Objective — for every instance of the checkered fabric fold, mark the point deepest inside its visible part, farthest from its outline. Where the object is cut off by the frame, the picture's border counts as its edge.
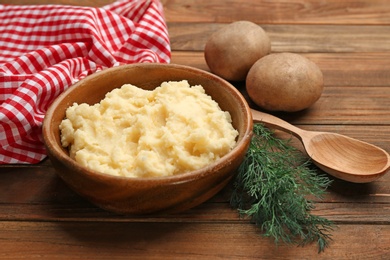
(44, 49)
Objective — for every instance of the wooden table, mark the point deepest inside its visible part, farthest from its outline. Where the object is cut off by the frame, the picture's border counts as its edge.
(40, 217)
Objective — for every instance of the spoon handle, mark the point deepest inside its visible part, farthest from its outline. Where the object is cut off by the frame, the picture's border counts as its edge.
(275, 122)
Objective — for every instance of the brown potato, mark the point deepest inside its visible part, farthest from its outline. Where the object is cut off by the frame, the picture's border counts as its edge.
(284, 82)
(231, 51)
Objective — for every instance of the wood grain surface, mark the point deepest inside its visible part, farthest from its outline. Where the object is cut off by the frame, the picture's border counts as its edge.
(40, 217)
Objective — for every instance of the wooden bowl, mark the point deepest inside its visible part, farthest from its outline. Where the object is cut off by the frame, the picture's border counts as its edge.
(127, 195)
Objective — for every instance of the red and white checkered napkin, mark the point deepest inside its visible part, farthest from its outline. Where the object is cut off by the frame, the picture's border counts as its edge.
(45, 49)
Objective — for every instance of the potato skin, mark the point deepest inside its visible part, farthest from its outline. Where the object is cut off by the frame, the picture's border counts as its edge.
(284, 82)
(231, 51)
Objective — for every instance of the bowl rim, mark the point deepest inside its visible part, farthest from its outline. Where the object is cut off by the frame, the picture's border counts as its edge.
(58, 152)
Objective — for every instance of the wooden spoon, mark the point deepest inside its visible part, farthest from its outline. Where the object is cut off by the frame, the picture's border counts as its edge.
(340, 156)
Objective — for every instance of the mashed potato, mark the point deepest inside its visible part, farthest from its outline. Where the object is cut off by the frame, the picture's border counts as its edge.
(138, 133)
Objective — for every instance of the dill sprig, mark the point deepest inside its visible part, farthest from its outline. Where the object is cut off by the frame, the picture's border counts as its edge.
(275, 186)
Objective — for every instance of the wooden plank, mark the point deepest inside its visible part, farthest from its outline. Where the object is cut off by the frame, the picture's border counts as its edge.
(73, 240)
(40, 184)
(345, 106)
(39, 195)
(373, 12)
(350, 69)
(329, 38)
(279, 11)
(348, 106)
(292, 38)
(339, 69)
(193, 59)
(341, 213)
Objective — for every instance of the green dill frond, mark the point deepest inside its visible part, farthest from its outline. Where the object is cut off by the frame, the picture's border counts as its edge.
(273, 187)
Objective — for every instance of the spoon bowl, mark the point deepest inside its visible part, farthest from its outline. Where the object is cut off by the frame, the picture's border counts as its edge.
(340, 156)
